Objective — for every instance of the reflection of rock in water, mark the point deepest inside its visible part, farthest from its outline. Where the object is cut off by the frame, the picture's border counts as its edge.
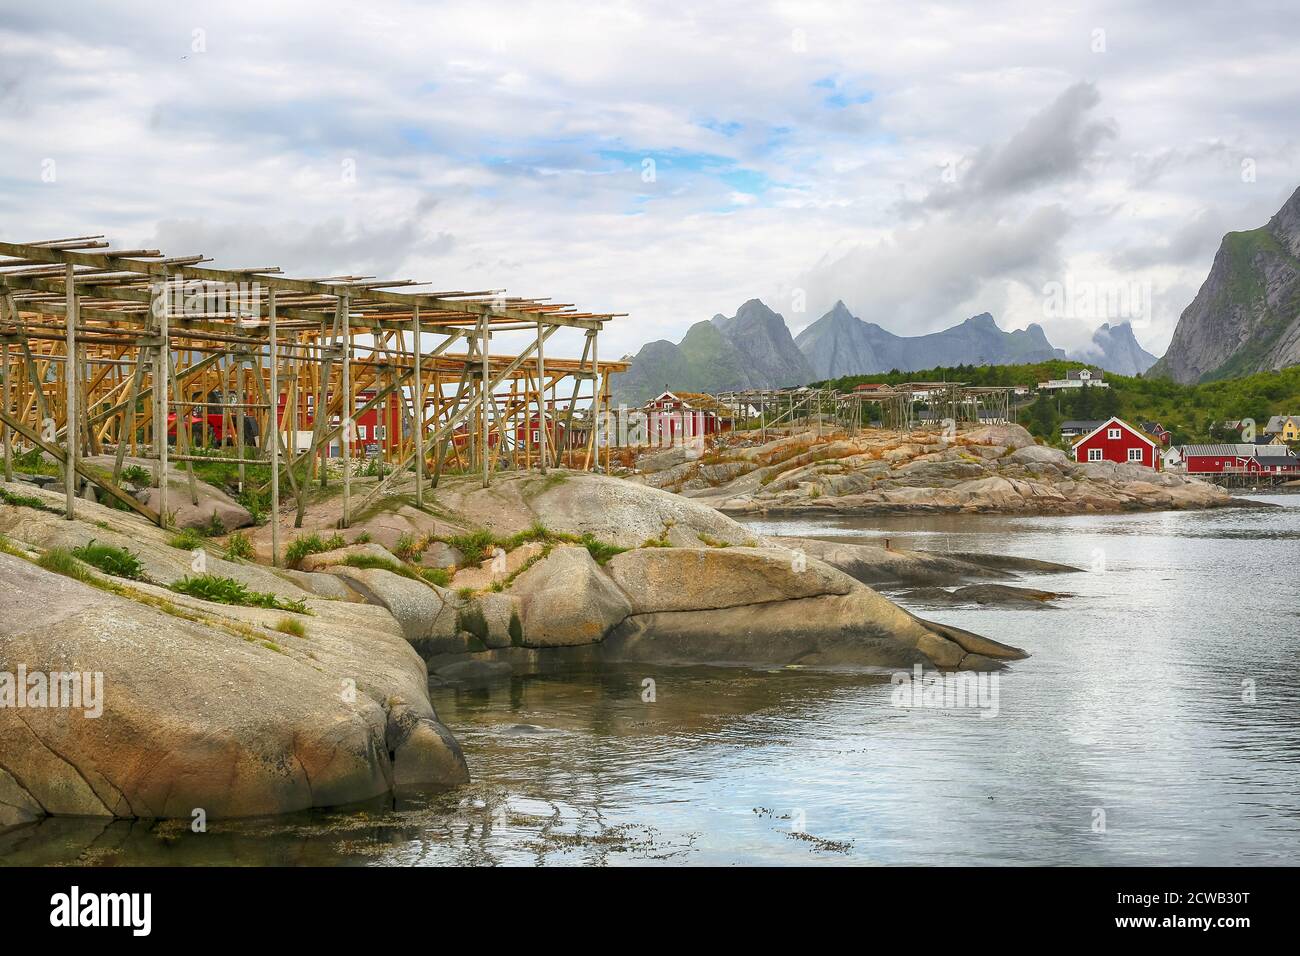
(560, 753)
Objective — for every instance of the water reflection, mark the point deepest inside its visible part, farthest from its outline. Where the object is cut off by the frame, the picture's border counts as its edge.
(1156, 722)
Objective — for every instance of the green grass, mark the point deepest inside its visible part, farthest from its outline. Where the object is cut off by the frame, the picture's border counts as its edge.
(212, 587)
(26, 501)
(292, 626)
(303, 545)
(187, 539)
(474, 546)
(437, 576)
(34, 462)
(62, 561)
(118, 562)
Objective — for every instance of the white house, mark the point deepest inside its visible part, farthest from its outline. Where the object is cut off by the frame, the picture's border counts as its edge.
(1077, 378)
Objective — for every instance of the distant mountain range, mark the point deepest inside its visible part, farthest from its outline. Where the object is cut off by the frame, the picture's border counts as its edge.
(754, 349)
(1246, 316)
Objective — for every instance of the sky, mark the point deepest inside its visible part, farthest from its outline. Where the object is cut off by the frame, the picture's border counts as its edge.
(1064, 164)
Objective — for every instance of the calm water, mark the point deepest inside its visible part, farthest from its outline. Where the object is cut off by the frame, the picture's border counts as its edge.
(1131, 704)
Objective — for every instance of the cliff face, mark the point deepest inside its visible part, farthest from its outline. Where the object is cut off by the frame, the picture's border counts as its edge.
(1246, 316)
(840, 344)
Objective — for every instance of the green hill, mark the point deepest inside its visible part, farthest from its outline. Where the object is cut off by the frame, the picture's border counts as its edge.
(1192, 412)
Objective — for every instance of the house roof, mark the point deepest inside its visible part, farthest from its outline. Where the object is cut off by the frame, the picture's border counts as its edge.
(1237, 450)
(1120, 422)
(1081, 425)
(1278, 422)
(703, 402)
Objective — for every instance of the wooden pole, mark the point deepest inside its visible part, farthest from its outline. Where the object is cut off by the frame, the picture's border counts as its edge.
(485, 384)
(9, 457)
(349, 409)
(70, 380)
(273, 431)
(418, 392)
(160, 386)
(541, 398)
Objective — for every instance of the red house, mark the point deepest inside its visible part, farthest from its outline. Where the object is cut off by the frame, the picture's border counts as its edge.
(1117, 441)
(1239, 458)
(380, 426)
(674, 416)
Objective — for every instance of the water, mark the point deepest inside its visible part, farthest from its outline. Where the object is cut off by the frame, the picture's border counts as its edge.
(1133, 706)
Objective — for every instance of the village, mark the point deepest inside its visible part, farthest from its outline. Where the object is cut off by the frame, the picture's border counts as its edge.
(1260, 455)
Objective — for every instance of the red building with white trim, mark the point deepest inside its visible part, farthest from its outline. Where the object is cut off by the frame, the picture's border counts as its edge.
(1117, 441)
(1239, 458)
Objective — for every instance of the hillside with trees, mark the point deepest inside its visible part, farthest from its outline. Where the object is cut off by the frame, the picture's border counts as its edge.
(1191, 412)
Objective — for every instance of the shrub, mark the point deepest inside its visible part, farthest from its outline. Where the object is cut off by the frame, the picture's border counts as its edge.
(238, 545)
(407, 548)
(136, 475)
(187, 539)
(362, 538)
(214, 526)
(212, 587)
(306, 544)
(115, 561)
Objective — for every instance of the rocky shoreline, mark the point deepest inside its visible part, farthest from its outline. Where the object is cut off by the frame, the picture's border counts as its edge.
(232, 688)
(993, 469)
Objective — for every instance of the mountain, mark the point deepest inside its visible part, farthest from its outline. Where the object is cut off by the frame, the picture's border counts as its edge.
(841, 344)
(1115, 349)
(1246, 316)
(751, 349)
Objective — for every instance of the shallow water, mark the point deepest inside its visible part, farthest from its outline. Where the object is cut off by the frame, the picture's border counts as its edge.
(1129, 737)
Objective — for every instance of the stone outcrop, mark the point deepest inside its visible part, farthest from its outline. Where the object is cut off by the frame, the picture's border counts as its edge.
(205, 706)
(990, 469)
(567, 600)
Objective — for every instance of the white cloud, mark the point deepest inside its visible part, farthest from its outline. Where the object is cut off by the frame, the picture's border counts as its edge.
(497, 144)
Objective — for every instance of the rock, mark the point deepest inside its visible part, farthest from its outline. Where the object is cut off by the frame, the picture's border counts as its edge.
(611, 510)
(474, 671)
(328, 586)
(201, 710)
(423, 750)
(859, 629)
(324, 559)
(427, 615)
(1040, 454)
(493, 619)
(680, 579)
(566, 599)
(999, 594)
(440, 555)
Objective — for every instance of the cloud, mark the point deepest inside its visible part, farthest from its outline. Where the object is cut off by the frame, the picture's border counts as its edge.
(514, 157)
(926, 277)
(1055, 145)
